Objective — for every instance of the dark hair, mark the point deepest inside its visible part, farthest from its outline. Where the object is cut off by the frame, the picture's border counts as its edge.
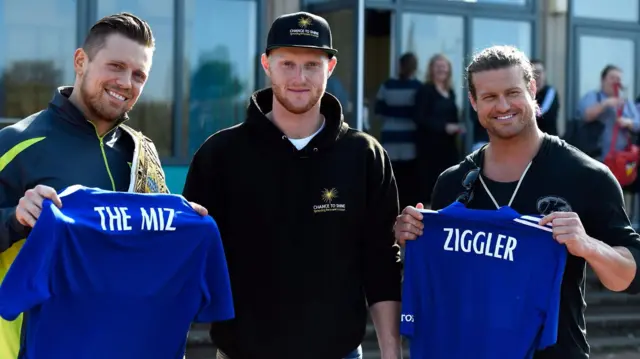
(608, 69)
(496, 58)
(537, 61)
(125, 24)
(406, 59)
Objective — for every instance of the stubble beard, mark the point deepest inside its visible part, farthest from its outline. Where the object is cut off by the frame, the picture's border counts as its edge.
(527, 121)
(298, 110)
(94, 105)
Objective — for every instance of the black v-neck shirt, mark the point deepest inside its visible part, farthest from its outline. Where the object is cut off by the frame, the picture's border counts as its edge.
(561, 178)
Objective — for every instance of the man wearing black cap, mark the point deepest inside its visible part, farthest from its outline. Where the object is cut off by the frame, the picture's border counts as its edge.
(305, 206)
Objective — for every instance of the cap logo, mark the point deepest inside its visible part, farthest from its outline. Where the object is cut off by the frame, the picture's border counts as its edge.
(302, 30)
(304, 22)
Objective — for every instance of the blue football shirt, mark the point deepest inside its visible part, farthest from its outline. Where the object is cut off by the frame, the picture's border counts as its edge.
(116, 275)
(481, 284)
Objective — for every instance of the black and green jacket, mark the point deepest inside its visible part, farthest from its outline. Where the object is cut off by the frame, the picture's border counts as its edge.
(58, 147)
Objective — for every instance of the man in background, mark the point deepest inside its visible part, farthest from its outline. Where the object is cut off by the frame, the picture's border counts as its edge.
(395, 105)
(547, 99)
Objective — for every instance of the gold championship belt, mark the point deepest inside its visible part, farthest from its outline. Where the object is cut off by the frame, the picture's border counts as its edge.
(148, 176)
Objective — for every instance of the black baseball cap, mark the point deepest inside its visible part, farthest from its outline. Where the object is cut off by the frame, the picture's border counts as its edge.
(301, 29)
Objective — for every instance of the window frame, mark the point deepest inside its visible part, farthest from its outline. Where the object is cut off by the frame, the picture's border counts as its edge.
(470, 11)
(578, 26)
(460, 95)
(80, 16)
(87, 15)
(578, 32)
(601, 21)
(528, 6)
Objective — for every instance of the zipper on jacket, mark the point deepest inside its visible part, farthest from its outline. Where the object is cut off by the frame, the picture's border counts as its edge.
(104, 154)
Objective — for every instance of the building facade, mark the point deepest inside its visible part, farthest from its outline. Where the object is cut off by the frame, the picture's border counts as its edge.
(206, 63)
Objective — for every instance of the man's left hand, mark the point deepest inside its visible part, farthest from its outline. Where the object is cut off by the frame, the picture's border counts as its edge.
(568, 230)
(198, 208)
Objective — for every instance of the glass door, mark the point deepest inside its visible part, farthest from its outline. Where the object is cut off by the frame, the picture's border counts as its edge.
(596, 49)
(346, 19)
(446, 36)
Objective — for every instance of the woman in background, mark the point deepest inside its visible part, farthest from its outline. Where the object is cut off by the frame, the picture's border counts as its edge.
(437, 124)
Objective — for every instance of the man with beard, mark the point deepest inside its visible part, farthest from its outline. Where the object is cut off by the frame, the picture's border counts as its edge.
(79, 139)
(538, 174)
(305, 207)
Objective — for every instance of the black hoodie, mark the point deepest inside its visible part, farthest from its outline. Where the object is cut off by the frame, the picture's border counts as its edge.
(307, 233)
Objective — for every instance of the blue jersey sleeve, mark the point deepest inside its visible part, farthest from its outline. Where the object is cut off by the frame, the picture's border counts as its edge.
(409, 293)
(218, 304)
(550, 331)
(27, 281)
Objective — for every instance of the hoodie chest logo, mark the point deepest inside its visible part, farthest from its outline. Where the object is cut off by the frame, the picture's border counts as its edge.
(329, 202)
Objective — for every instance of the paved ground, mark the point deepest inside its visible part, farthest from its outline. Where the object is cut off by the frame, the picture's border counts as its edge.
(203, 352)
(626, 355)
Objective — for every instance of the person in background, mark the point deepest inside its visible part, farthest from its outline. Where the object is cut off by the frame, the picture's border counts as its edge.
(602, 104)
(547, 99)
(437, 119)
(395, 105)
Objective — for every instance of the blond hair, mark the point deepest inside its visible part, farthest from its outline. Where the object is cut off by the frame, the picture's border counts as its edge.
(432, 62)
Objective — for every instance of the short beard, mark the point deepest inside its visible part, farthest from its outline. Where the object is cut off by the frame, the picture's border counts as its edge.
(528, 121)
(282, 99)
(95, 107)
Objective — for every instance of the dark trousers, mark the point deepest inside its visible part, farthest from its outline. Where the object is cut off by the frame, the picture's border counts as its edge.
(433, 159)
(407, 182)
(355, 354)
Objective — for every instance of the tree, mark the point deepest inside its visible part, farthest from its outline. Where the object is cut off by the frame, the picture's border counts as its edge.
(214, 78)
(28, 87)
(214, 101)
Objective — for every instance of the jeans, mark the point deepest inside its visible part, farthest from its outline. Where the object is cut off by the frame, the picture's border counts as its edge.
(356, 354)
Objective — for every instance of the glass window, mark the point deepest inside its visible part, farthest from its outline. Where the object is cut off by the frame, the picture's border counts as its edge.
(509, 2)
(342, 82)
(623, 10)
(222, 60)
(596, 52)
(341, 3)
(36, 54)
(489, 32)
(153, 113)
(445, 36)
